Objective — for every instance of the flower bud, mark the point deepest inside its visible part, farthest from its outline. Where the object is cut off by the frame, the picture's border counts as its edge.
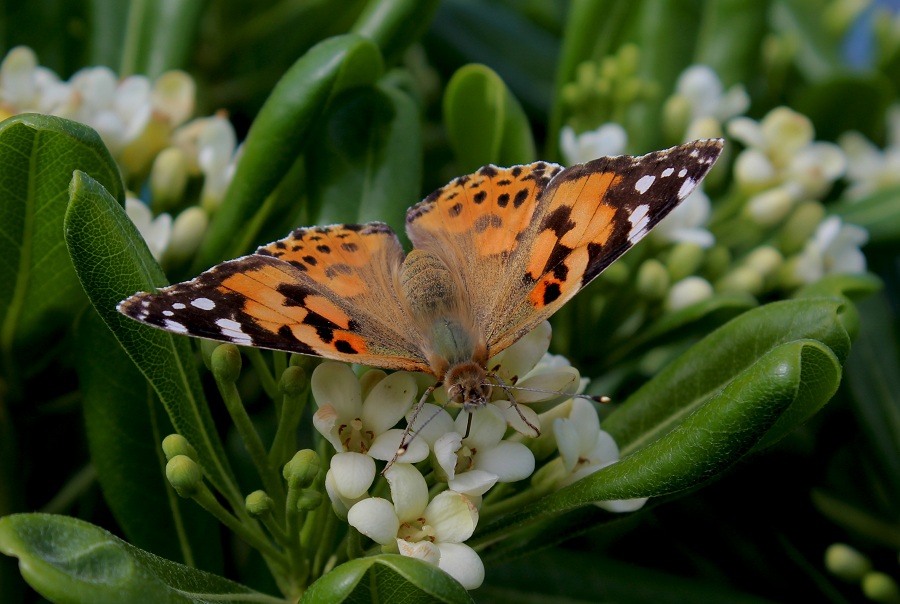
(846, 562)
(652, 280)
(168, 179)
(688, 291)
(769, 207)
(173, 96)
(765, 260)
(309, 500)
(176, 444)
(184, 475)
(718, 261)
(880, 587)
(293, 381)
(187, 234)
(684, 260)
(226, 363)
(743, 279)
(302, 469)
(800, 227)
(258, 503)
(676, 117)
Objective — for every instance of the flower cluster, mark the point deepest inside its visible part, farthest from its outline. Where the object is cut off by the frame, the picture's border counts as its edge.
(145, 126)
(438, 485)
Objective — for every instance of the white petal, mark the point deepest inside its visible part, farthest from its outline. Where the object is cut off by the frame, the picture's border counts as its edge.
(325, 421)
(564, 380)
(604, 451)
(423, 550)
(473, 482)
(510, 461)
(173, 96)
(462, 563)
(216, 145)
(353, 474)
(746, 131)
(431, 422)
(587, 424)
(335, 384)
(385, 446)
(688, 291)
(409, 491)
(375, 518)
(388, 401)
(452, 516)
(567, 442)
(339, 503)
(514, 414)
(445, 449)
(521, 357)
(488, 426)
(621, 506)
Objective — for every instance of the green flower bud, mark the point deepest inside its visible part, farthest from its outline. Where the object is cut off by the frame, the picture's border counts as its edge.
(168, 179)
(847, 563)
(765, 260)
(684, 260)
(293, 381)
(880, 587)
(258, 503)
(226, 362)
(184, 475)
(676, 117)
(187, 234)
(616, 274)
(176, 444)
(301, 470)
(718, 261)
(800, 226)
(206, 350)
(309, 500)
(652, 280)
(743, 279)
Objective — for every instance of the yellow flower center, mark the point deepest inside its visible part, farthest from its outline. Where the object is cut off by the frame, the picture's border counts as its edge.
(354, 438)
(417, 530)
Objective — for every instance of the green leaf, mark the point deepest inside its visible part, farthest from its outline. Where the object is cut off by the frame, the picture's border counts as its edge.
(160, 36)
(113, 262)
(801, 21)
(68, 560)
(125, 425)
(731, 35)
(739, 389)
(368, 160)
(280, 133)
(852, 286)
(386, 578)
(394, 25)
(878, 213)
(485, 123)
(846, 102)
(40, 293)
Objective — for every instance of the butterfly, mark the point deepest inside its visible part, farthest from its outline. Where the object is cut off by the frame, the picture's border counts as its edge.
(495, 253)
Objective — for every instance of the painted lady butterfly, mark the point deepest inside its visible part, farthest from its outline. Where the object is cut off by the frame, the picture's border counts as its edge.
(495, 254)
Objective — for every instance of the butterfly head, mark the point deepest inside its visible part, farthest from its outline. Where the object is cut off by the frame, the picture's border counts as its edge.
(467, 384)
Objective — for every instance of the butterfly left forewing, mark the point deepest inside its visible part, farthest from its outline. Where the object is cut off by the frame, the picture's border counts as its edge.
(587, 217)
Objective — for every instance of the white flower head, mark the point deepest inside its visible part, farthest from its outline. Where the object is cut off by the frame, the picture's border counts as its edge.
(703, 90)
(608, 139)
(431, 531)
(157, 232)
(584, 449)
(869, 168)
(833, 249)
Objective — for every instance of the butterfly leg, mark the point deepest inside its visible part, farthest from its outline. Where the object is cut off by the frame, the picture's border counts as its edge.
(404, 442)
(513, 403)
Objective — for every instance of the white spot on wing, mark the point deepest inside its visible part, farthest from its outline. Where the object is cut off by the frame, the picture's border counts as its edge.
(668, 172)
(639, 220)
(682, 173)
(168, 313)
(175, 326)
(686, 187)
(178, 306)
(232, 330)
(203, 304)
(644, 183)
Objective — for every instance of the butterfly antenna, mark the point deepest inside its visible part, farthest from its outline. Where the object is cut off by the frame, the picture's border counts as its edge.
(596, 399)
(512, 401)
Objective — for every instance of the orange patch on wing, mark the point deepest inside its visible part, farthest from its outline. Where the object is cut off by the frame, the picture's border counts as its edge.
(327, 309)
(540, 252)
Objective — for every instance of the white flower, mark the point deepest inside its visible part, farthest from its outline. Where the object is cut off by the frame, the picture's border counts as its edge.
(431, 531)
(685, 223)
(474, 464)
(584, 449)
(689, 290)
(834, 249)
(608, 139)
(210, 143)
(782, 155)
(157, 232)
(361, 430)
(870, 169)
(701, 87)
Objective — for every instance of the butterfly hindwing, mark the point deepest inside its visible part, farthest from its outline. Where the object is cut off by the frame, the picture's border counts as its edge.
(322, 291)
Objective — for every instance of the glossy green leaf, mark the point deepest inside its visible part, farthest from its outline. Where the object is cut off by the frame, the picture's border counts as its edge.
(280, 134)
(40, 293)
(113, 262)
(394, 25)
(368, 163)
(71, 561)
(878, 213)
(385, 578)
(484, 122)
(852, 286)
(776, 390)
(125, 425)
(160, 36)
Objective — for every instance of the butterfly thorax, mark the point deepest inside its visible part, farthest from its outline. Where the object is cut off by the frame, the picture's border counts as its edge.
(467, 384)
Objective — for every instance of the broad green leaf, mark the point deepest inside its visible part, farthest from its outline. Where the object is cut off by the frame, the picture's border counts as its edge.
(726, 426)
(71, 561)
(113, 262)
(878, 213)
(394, 25)
(280, 133)
(385, 578)
(160, 36)
(710, 365)
(484, 122)
(40, 293)
(125, 425)
(852, 286)
(368, 159)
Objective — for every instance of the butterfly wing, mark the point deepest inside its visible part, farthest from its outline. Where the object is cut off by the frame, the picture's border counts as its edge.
(586, 218)
(322, 291)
